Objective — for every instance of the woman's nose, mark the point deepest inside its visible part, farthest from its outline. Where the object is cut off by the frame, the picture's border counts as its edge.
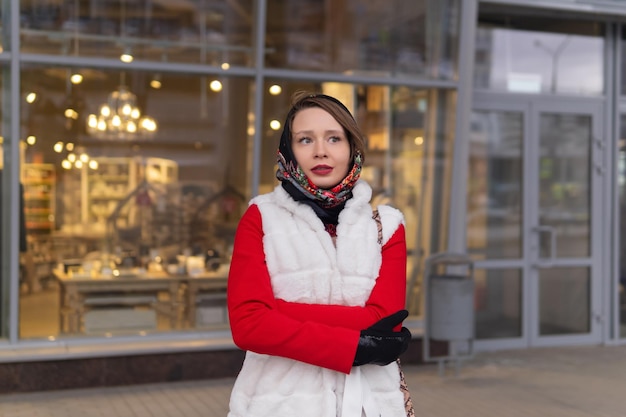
(320, 149)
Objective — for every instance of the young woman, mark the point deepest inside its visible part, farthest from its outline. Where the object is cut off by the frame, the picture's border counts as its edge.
(317, 285)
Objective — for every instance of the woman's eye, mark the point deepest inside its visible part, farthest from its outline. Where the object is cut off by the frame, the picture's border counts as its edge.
(304, 140)
(334, 139)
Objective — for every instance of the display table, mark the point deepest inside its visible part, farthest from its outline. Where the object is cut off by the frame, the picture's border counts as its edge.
(199, 286)
(80, 293)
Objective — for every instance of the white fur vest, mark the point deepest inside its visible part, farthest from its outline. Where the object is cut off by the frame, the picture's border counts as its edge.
(306, 267)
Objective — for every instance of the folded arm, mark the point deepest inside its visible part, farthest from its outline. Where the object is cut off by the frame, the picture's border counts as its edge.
(258, 325)
(387, 297)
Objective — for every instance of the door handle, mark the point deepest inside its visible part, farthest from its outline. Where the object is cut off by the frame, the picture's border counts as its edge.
(552, 231)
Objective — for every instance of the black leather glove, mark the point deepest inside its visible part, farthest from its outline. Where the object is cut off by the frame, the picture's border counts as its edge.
(379, 344)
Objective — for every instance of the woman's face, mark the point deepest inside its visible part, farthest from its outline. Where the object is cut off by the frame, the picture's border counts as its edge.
(320, 146)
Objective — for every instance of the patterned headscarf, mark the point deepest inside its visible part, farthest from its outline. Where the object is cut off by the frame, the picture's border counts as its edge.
(300, 187)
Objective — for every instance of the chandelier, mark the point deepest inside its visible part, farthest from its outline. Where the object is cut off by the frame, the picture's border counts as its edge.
(120, 118)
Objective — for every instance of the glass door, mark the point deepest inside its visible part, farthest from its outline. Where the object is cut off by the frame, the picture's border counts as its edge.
(533, 191)
(566, 168)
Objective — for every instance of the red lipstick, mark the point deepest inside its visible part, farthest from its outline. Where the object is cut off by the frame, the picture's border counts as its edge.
(322, 169)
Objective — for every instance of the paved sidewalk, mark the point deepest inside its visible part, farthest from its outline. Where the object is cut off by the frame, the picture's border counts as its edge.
(552, 382)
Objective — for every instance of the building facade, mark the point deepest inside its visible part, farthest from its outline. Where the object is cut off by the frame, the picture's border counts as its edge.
(135, 132)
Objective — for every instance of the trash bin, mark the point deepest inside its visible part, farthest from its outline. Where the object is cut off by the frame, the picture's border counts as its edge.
(449, 306)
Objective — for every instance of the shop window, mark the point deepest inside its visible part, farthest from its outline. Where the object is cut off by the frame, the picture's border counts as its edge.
(4, 237)
(416, 39)
(494, 185)
(216, 33)
(523, 52)
(131, 200)
(498, 303)
(408, 159)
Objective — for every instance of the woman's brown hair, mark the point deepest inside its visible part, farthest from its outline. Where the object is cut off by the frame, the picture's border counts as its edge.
(303, 100)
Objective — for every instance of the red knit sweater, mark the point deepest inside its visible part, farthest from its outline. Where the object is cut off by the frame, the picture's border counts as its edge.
(321, 335)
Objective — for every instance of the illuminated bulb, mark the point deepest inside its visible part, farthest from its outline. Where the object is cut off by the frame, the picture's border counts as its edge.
(156, 84)
(84, 157)
(148, 124)
(126, 109)
(126, 57)
(116, 121)
(135, 114)
(131, 127)
(105, 111)
(419, 140)
(76, 78)
(216, 86)
(102, 125)
(92, 121)
(275, 90)
(31, 140)
(71, 157)
(69, 146)
(31, 97)
(93, 164)
(58, 147)
(78, 164)
(275, 124)
(66, 164)
(225, 66)
(251, 131)
(71, 114)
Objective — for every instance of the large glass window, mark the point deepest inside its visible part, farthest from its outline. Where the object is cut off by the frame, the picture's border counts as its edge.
(409, 137)
(498, 303)
(538, 55)
(388, 38)
(495, 185)
(132, 192)
(133, 181)
(217, 33)
(4, 237)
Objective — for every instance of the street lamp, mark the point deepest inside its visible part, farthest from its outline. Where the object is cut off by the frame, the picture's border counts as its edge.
(554, 54)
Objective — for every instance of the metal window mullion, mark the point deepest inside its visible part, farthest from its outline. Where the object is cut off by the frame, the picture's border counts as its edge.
(589, 7)
(299, 75)
(12, 174)
(258, 94)
(113, 64)
(613, 120)
(458, 186)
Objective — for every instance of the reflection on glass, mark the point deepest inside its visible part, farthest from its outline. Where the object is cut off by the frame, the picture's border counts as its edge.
(417, 38)
(212, 33)
(498, 303)
(621, 181)
(4, 280)
(494, 197)
(564, 183)
(129, 233)
(529, 61)
(571, 314)
(407, 161)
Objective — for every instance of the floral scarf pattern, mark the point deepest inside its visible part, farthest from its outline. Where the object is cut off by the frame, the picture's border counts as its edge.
(327, 198)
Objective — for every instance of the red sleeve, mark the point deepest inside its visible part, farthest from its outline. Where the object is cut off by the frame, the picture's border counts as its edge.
(255, 320)
(387, 297)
